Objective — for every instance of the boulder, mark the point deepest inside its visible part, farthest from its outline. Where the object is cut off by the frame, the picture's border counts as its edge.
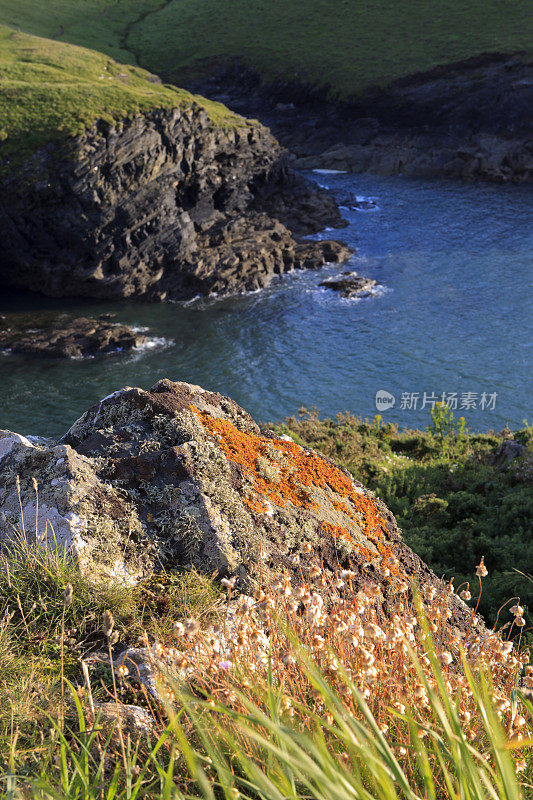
(70, 338)
(181, 476)
(350, 284)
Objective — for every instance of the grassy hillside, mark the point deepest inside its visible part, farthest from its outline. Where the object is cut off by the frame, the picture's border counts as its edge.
(348, 44)
(49, 90)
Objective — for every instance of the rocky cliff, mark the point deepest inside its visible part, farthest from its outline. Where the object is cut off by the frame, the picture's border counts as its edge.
(166, 205)
(471, 119)
(177, 475)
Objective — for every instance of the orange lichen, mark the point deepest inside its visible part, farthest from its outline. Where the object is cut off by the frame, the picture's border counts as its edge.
(297, 475)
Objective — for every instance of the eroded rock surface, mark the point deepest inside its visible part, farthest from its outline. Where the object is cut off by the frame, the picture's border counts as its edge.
(164, 206)
(67, 338)
(182, 476)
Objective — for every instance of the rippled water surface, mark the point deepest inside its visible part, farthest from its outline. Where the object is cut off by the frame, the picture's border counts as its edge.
(455, 262)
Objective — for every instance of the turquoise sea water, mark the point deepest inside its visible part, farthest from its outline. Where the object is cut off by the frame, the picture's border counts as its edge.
(454, 316)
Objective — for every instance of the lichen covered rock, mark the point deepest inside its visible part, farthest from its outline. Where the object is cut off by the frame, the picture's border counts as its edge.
(182, 476)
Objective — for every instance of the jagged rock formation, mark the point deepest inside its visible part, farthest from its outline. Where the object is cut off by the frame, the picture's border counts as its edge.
(182, 476)
(164, 206)
(66, 338)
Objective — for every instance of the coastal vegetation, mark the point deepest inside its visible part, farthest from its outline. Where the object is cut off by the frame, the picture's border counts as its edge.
(345, 47)
(454, 499)
(304, 651)
(291, 693)
(355, 676)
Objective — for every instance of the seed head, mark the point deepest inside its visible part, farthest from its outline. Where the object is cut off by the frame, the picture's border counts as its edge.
(108, 623)
(191, 626)
(67, 595)
(481, 570)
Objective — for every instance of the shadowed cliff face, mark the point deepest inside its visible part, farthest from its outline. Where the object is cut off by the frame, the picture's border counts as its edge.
(166, 206)
(469, 120)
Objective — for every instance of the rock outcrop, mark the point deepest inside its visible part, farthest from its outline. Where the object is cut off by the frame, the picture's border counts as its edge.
(164, 206)
(350, 285)
(182, 476)
(67, 338)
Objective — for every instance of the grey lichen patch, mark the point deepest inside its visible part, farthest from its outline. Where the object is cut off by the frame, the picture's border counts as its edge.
(118, 548)
(268, 470)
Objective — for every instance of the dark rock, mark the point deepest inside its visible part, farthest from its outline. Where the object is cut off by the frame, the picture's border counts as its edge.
(74, 338)
(350, 284)
(164, 206)
(507, 452)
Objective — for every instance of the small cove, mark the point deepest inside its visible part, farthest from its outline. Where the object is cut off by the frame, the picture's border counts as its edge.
(455, 263)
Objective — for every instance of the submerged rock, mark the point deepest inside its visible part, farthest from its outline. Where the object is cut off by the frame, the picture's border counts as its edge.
(350, 284)
(73, 338)
(181, 476)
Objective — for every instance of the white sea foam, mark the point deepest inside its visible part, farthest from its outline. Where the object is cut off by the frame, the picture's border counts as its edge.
(331, 171)
(154, 343)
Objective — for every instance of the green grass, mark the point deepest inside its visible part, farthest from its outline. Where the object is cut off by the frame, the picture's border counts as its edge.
(31, 615)
(349, 45)
(98, 24)
(50, 90)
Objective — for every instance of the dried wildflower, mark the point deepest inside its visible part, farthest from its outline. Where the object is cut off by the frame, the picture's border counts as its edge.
(108, 623)
(520, 622)
(225, 666)
(517, 610)
(228, 583)
(465, 594)
(123, 671)
(446, 658)
(520, 765)
(68, 595)
(481, 570)
(347, 574)
(191, 626)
